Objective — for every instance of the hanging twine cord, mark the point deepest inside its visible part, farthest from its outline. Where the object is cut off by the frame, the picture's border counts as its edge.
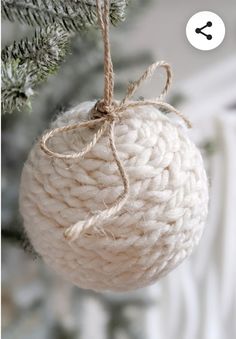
(106, 113)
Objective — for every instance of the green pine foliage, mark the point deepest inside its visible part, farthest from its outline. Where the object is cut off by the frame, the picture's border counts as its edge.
(71, 15)
(27, 63)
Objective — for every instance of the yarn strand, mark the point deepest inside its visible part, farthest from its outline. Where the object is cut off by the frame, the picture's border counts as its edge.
(110, 114)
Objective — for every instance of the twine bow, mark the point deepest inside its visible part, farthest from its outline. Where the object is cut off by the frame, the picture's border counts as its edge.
(106, 113)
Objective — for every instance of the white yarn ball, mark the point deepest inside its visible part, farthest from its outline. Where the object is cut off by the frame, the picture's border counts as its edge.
(157, 228)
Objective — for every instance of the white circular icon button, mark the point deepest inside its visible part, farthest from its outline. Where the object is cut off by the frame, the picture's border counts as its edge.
(205, 30)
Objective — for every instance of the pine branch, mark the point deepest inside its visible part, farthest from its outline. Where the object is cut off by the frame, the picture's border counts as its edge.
(27, 63)
(16, 86)
(71, 15)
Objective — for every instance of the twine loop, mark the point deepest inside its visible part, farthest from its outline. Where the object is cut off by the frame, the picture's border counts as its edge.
(106, 113)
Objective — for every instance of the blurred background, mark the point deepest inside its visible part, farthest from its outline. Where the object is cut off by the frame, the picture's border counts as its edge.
(198, 299)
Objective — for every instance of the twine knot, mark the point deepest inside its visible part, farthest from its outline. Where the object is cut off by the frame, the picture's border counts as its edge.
(105, 114)
(108, 111)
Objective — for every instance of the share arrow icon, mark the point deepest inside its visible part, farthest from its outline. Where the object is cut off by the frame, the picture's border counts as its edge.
(200, 30)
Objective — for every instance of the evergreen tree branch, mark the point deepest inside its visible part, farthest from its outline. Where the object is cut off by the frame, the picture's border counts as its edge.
(27, 63)
(71, 15)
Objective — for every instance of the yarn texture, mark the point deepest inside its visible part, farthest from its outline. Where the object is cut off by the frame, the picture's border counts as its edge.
(158, 227)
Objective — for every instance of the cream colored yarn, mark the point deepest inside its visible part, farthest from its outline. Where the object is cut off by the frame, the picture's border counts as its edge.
(157, 228)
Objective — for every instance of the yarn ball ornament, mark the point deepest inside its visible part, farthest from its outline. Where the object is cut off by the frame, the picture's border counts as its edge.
(157, 228)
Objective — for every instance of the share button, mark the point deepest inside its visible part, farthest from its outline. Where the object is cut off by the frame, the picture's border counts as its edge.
(205, 30)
